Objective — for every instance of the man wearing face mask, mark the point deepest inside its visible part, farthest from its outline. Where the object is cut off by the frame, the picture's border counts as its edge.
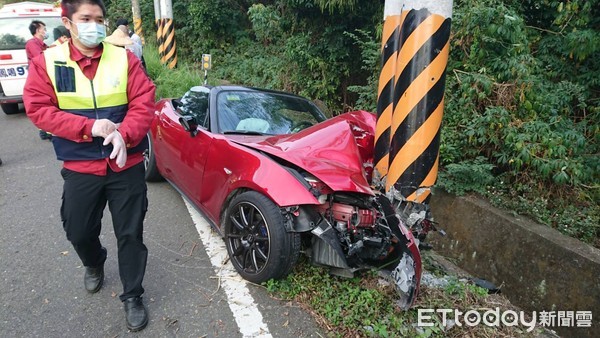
(35, 46)
(98, 102)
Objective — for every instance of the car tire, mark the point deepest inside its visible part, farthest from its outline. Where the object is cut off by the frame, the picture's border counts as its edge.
(10, 108)
(257, 242)
(152, 173)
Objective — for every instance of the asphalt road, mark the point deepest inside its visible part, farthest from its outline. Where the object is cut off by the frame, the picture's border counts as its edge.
(41, 277)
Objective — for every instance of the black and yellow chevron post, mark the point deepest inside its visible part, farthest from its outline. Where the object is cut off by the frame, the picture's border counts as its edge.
(165, 32)
(157, 16)
(137, 19)
(159, 39)
(385, 91)
(169, 50)
(419, 98)
(137, 28)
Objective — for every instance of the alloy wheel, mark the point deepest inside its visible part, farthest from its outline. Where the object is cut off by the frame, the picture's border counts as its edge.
(248, 239)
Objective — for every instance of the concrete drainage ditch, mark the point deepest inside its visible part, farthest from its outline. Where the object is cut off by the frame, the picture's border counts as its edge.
(537, 268)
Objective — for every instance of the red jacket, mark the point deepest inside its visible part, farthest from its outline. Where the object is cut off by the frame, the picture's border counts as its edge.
(34, 47)
(41, 106)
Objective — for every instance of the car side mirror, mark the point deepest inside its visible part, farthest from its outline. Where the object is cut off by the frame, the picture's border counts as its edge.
(176, 103)
(189, 124)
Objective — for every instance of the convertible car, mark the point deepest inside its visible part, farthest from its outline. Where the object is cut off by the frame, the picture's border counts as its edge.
(275, 178)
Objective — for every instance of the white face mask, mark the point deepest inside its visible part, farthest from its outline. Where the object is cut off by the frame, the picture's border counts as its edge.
(90, 34)
(46, 35)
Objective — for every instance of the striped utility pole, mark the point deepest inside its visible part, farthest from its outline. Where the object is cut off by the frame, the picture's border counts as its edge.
(158, 23)
(137, 19)
(385, 92)
(169, 53)
(418, 97)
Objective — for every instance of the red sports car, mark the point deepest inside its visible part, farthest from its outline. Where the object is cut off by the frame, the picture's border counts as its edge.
(275, 177)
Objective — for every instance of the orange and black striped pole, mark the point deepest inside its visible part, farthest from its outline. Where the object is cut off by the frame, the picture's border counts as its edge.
(418, 98)
(159, 40)
(158, 23)
(385, 92)
(168, 38)
(137, 28)
(167, 46)
(137, 19)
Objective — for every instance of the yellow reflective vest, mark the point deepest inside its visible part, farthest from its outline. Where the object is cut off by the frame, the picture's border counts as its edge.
(104, 97)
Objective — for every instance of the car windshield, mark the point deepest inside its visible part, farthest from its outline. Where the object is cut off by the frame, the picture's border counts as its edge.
(14, 32)
(256, 112)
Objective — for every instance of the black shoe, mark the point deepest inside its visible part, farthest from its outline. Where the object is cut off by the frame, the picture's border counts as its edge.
(94, 277)
(44, 135)
(136, 315)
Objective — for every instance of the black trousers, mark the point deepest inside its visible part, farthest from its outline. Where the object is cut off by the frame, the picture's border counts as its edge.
(83, 202)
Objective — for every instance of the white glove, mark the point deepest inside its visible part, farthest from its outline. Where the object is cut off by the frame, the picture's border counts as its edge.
(103, 128)
(119, 148)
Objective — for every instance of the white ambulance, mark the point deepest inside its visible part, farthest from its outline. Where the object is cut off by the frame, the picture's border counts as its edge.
(14, 33)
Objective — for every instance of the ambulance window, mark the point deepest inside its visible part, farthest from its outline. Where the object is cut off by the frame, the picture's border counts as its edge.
(14, 32)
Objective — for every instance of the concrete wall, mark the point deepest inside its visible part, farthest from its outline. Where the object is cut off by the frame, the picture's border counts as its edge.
(537, 267)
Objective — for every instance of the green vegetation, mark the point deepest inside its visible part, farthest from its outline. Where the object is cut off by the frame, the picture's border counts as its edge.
(521, 108)
(364, 306)
(522, 91)
(169, 82)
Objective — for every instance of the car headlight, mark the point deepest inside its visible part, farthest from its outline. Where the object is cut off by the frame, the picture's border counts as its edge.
(318, 185)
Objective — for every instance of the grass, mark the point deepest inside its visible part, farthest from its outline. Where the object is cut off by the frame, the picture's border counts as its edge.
(170, 82)
(365, 306)
(575, 215)
(575, 212)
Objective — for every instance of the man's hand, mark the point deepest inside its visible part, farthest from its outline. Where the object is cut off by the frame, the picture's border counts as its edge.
(119, 148)
(103, 128)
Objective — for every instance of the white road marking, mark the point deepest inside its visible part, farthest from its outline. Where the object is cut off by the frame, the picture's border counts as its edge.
(241, 303)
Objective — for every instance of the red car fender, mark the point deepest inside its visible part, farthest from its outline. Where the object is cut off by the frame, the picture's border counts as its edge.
(409, 245)
(232, 167)
(413, 247)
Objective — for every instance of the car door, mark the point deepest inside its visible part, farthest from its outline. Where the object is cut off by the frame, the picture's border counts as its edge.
(170, 134)
(186, 151)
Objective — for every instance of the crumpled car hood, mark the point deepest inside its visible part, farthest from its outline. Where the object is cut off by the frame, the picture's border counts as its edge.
(327, 150)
